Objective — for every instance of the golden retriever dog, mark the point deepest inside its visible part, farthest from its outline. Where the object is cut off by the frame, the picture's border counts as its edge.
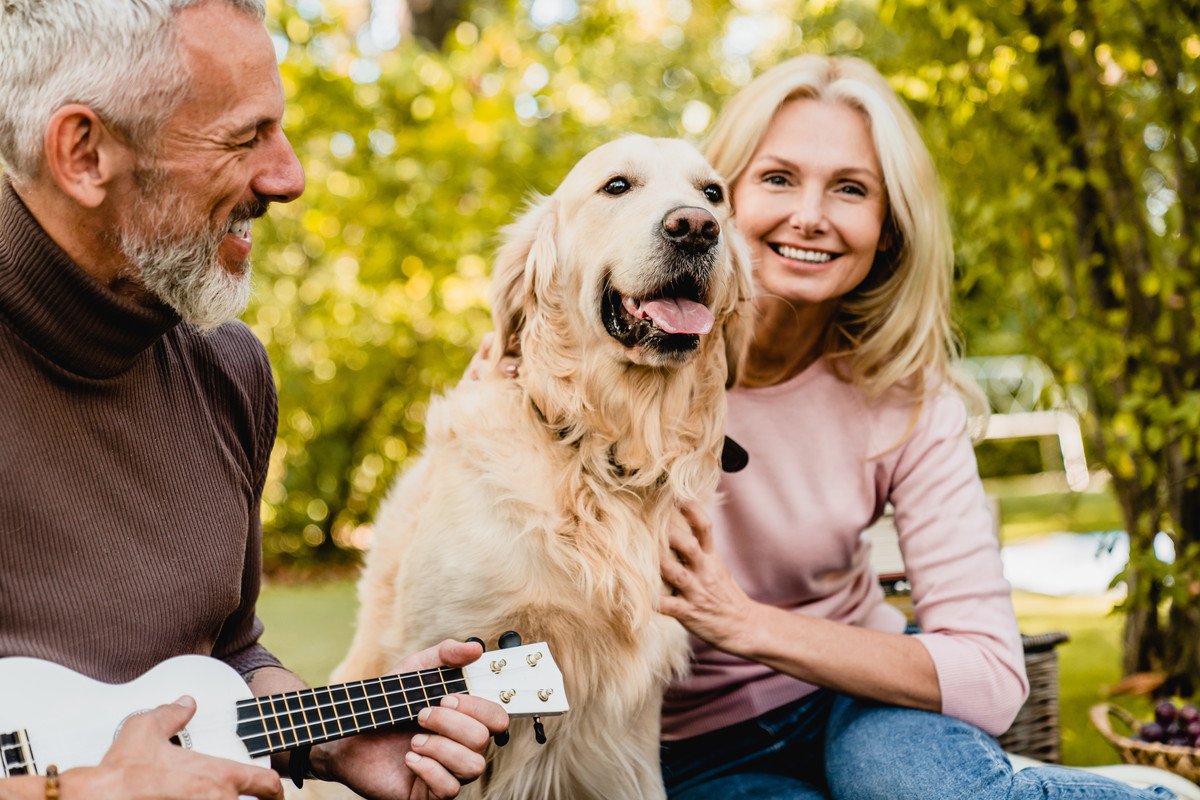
(541, 503)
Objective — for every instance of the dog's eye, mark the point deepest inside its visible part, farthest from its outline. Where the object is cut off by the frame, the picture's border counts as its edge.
(713, 193)
(617, 186)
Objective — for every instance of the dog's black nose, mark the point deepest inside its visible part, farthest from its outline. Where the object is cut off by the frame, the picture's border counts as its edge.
(692, 229)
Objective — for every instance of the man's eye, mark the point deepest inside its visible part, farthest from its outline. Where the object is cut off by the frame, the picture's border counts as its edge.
(713, 193)
(617, 186)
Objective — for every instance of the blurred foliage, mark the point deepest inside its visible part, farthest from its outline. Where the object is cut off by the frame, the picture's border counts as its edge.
(1066, 132)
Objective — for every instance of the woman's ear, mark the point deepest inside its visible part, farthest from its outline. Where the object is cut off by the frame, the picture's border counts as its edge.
(738, 328)
(523, 263)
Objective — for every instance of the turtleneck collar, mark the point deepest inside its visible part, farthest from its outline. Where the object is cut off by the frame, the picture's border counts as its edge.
(60, 310)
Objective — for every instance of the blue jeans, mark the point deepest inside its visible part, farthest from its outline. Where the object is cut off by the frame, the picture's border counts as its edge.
(832, 747)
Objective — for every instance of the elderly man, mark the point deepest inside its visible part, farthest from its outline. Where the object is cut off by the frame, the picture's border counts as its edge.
(140, 139)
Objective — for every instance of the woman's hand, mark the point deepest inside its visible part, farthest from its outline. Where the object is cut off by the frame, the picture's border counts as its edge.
(704, 596)
(479, 368)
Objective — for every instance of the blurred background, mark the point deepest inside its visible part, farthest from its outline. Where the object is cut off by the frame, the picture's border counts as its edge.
(1066, 133)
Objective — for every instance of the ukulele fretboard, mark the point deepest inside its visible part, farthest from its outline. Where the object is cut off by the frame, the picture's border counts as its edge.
(284, 721)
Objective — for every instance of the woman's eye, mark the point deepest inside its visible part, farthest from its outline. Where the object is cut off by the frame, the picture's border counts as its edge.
(775, 179)
(617, 186)
(852, 189)
(713, 193)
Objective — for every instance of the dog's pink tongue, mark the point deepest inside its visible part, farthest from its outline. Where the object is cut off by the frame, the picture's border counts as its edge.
(679, 315)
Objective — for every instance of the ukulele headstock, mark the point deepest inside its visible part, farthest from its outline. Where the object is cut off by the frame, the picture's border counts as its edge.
(524, 680)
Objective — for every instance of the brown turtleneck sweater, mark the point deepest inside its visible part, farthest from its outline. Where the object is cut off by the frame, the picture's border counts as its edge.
(133, 453)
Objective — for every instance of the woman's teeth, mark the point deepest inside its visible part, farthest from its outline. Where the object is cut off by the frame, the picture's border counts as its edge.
(811, 256)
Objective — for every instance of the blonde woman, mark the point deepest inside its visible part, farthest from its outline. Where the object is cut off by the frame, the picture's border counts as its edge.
(805, 683)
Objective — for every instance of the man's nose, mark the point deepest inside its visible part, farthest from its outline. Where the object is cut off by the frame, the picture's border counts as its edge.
(281, 178)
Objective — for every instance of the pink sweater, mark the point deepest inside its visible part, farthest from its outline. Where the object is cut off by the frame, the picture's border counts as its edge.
(822, 466)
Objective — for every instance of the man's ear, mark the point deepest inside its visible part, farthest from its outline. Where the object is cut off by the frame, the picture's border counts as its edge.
(83, 156)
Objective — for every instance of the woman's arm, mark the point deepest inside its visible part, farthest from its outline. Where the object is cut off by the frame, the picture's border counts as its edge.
(888, 667)
(966, 662)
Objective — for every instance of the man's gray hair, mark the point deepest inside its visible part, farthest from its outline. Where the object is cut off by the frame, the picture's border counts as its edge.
(118, 57)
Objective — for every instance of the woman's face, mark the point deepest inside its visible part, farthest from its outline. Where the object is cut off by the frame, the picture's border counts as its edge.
(811, 203)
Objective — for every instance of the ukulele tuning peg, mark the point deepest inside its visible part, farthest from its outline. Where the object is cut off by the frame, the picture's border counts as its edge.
(501, 739)
(477, 641)
(539, 730)
(510, 639)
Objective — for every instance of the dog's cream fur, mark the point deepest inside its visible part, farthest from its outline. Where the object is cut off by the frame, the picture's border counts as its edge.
(541, 503)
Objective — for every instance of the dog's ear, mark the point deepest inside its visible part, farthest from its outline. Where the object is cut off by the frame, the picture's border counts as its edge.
(523, 264)
(738, 327)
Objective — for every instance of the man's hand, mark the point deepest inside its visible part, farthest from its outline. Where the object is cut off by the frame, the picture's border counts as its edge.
(142, 764)
(395, 765)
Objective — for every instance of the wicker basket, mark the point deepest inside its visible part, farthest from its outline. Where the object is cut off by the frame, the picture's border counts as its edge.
(1035, 732)
(1183, 761)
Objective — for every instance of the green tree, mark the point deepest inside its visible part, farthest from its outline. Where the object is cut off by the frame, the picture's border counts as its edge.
(1071, 132)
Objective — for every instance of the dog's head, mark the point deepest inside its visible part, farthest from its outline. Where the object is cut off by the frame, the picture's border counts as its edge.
(634, 253)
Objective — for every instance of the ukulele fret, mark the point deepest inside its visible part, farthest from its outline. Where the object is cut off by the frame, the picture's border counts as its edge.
(16, 756)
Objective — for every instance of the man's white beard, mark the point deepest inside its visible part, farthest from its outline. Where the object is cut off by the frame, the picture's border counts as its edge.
(180, 267)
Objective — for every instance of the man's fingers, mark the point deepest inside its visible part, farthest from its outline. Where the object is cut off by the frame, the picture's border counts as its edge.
(254, 781)
(164, 721)
(461, 728)
(462, 762)
(448, 653)
(438, 782)
(453, 653)
(491, 715)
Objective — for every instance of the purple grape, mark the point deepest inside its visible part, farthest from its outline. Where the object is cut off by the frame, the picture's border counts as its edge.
(1165, 713)
(1193, 729)
(1152, 732)
(1189, 714)
(1179, 741)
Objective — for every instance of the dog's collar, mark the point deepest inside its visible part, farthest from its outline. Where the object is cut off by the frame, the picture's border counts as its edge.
(734, 457)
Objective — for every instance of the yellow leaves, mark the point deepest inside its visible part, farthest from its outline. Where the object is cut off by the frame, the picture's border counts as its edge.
(342, 185)
(1150, 283)
(418, 285)
(1191, 46)
(298, 30)
(466, 34)
(422, 108)
(411, 265)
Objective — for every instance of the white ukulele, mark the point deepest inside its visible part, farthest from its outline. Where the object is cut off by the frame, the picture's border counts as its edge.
(52, 715)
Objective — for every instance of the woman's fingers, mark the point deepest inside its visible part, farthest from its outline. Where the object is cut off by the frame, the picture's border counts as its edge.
(700, 524)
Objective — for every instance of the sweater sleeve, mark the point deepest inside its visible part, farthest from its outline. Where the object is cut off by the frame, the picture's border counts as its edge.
(238, 644)
(962, 601)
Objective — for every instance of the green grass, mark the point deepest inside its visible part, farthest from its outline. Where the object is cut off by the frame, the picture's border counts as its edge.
(309, 625)
(1037, 504)
(1088, 665)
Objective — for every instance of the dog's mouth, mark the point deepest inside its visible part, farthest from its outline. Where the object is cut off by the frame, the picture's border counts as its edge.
(670, 320)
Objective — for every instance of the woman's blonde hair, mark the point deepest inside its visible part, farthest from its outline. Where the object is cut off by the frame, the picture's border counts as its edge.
(893, 331)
